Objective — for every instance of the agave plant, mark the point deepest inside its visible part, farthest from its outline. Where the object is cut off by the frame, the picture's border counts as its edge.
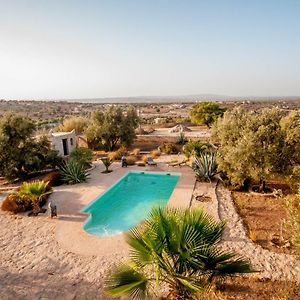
(73, 172)
(34, 192)
(205, 166)
(178, 249)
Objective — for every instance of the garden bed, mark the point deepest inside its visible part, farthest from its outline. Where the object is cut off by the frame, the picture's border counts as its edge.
(253, 288)
(264, 218)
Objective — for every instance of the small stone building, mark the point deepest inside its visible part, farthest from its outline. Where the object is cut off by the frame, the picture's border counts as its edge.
(63, 142)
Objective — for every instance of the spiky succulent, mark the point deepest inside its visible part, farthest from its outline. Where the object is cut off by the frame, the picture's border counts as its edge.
(73, 172)
(205, 166)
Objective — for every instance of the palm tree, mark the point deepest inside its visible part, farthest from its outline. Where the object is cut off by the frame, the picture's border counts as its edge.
(178, 248)
(107, 163)
(34, 192)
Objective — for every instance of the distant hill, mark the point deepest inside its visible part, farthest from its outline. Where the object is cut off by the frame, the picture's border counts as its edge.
(179, 99)
(172, 99)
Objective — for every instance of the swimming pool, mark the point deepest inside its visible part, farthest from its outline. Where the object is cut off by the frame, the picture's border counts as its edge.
(128, 202)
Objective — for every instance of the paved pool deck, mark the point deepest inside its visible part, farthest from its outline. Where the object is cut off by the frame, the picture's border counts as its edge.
(70, 199)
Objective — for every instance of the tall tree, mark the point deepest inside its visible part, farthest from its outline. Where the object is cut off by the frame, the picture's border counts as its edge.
(112, 127)
(206, 113)
(251, 145)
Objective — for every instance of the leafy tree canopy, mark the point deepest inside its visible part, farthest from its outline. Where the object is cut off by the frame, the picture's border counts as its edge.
(255, 144)
(20, 152)
(206, 113)
(77, 123)
(112, 127)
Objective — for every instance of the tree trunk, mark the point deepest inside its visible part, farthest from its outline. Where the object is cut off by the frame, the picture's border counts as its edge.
(262, 186)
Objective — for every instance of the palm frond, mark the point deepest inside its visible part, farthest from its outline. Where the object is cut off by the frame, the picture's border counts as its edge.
(126, 281)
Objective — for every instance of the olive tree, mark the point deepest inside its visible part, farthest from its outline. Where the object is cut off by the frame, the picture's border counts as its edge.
(251, 145)
(112, 128)
(291, 126)
(77, 123)
(206, 113)
(20, 152)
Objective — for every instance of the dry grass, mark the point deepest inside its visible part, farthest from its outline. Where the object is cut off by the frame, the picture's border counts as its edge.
(131, 160)
(136, 152)
(155, 153)
(253, 288)
(263, 217)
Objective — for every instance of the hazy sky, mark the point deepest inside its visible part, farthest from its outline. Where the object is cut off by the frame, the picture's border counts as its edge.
(85, 49)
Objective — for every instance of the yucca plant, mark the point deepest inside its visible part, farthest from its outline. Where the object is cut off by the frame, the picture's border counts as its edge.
(34, 192)
(107, 163)
(73, 172)
(176, 248)
(205, 166)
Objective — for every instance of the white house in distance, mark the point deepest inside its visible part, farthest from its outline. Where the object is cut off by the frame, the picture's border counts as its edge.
(63, 142)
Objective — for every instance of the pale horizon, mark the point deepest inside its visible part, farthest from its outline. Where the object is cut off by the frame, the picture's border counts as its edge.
(113, 49)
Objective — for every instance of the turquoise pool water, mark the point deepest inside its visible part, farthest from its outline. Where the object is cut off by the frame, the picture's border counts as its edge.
(128, 202)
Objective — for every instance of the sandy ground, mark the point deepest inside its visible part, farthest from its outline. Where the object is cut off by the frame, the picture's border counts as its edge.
(43, 258)
(196, 131)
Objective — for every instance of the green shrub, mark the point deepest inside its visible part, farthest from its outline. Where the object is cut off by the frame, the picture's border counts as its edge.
(168, 148)
(205, 166)
(195, 148)
(83, 156)
(73, 172)
(181, 140)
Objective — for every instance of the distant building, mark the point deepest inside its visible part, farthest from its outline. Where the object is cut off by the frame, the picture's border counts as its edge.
(63, 142)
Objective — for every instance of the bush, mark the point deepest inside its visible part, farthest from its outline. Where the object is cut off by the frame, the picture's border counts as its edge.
(196, 148)
(14, 204)
(73, 172)
(168, 148)
(181, 140)
(21, 153)
(136, 151)
(53, 179)
(155, 153)
(83, 156)
(205, 166)
(30, 195)
(117, 155)
(131, 160)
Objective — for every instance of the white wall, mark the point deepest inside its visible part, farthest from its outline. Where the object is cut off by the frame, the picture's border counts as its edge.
(57, 141)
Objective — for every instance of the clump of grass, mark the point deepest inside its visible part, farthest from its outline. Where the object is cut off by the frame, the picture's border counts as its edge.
(155, 153)
(117, 155)
(136, 151)
(30, 195)
(252, 234)
(131, 160)
(292, 223)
